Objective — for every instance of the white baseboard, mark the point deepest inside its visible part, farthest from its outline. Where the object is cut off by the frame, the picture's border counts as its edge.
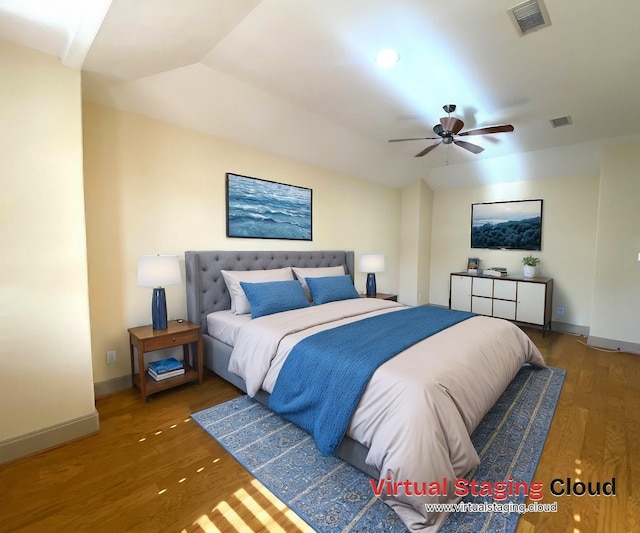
(614, 345)
(50, 437)
(565, 327)
(104, 388)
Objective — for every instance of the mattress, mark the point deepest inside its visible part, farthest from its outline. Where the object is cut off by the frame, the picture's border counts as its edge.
(224, 325)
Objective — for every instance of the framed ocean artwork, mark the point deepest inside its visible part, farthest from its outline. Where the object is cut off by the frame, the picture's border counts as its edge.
(262, 209)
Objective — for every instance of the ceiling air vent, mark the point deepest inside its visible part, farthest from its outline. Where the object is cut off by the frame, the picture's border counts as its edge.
(530, 16)
(561, 121)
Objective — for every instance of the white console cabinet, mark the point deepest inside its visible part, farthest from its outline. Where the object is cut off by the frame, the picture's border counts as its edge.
(519, 299)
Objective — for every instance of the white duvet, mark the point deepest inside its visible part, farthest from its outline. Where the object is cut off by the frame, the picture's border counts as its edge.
(419, 408)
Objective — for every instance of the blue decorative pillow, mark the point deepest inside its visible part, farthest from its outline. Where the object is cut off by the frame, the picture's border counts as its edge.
(331, 289)
(271, 297)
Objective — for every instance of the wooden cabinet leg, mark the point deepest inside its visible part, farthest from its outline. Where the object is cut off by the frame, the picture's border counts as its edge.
(141, 372)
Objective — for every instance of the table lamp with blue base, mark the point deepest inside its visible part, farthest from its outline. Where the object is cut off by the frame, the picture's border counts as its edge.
(371, 263)
(158, 271)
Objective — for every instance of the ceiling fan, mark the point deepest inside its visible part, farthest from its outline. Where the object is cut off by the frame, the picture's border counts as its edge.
(449, 128)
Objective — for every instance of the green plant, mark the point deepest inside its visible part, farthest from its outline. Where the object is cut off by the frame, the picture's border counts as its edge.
(531, 261)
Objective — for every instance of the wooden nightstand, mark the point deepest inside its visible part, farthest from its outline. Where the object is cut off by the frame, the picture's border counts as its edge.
(383, 296)
(146, 339)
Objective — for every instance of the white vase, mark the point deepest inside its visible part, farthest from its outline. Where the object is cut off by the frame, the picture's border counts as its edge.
(529, 271)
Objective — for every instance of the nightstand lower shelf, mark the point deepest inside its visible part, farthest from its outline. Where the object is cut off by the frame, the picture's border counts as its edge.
(152, 386)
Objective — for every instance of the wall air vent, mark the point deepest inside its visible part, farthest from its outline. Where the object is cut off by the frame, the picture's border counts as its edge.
(561, 121)
(530, 16)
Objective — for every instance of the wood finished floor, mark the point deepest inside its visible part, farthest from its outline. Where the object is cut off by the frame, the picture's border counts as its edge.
(152, 469)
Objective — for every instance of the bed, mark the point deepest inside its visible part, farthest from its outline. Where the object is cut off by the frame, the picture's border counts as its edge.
(409, 425)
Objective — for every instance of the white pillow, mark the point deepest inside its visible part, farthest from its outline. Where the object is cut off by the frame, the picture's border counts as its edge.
(318, 272)
(239, 303)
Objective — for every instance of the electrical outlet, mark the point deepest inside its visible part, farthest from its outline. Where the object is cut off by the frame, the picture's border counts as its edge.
(111, 357)
(560, 311)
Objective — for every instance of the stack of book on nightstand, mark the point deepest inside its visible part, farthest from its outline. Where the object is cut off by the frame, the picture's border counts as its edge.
(165, 368)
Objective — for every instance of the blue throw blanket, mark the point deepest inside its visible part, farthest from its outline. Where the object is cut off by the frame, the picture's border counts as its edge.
(324, 376)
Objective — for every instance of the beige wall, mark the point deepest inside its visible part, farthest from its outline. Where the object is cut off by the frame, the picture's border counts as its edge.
(45, 359)
(568, 239)
(425, 224)
(409, 243)
(616, 292)
(156, 188)
(415, 243)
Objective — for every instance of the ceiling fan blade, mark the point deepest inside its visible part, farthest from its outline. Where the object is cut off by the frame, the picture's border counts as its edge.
(489, 129)
(427, 150)
(468, 146)
(414, 139)
(452, 124)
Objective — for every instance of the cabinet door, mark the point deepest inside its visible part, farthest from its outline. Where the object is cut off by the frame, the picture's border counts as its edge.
(504, 289)
(531, 300)
(482, 287)
(504, 309)
(460, 298)
(482, 306)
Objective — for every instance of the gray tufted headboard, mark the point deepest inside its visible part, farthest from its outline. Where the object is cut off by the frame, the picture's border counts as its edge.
(206, 289)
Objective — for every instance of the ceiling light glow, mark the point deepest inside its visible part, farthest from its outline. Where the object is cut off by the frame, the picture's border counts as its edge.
(387, 58)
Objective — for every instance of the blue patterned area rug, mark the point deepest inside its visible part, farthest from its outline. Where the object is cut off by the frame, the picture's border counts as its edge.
(332, 496)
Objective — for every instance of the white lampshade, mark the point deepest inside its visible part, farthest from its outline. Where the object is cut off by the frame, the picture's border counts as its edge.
(371, 263)
(158, 270)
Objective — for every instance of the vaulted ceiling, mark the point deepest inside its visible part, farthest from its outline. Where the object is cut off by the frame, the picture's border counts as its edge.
(298, 77)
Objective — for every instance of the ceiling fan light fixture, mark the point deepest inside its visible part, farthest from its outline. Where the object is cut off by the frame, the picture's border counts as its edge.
(387, 58)
(450, 128)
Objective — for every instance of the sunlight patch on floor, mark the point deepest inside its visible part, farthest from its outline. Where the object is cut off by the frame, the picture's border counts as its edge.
(206, 524)
(261, 514)
(244, 506)
(293, 517)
